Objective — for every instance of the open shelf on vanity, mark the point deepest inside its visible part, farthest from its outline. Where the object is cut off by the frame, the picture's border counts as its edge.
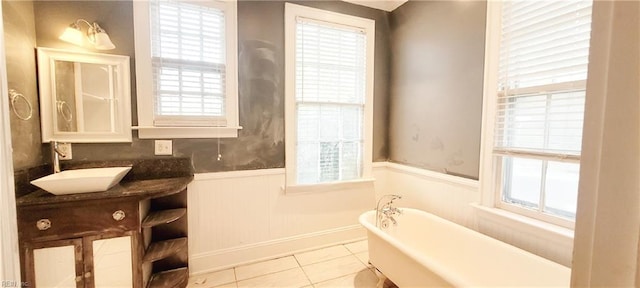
(165, 260)
(163, 217)
(169, 279)
(163, 249)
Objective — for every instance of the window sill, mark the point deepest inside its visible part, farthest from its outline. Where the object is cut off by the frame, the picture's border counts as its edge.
(526, 224)
(359, 184)
(151, 132)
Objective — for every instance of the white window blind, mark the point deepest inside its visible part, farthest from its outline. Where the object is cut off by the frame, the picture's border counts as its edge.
(188, 58)
(543, 67)
(330, 97)
(544, 53)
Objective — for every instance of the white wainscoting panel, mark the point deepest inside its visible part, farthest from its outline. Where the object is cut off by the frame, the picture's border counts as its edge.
(245, 216)
(453, 198)
(544, 239)
(443, 195)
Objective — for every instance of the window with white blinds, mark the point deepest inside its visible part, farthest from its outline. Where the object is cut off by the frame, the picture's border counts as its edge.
(186, 68)
(330, 99)
(331, 96)
(544, 51)
(189, 63)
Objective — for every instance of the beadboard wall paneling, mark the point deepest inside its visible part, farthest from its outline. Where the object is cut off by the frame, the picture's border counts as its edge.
(244, 216)
(451, 198)
(553, 247)
(443, 195)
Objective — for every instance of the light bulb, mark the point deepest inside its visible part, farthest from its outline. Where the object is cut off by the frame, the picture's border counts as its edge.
(102, 41)
(73, 35)
(99, 38)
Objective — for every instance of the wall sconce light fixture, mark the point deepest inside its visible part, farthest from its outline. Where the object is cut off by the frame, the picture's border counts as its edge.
(96, 35)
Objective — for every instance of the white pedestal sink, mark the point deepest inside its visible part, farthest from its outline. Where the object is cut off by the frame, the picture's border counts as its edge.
(81, 180)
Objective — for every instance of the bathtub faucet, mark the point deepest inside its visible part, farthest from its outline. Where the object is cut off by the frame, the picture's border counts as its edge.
(387, 211)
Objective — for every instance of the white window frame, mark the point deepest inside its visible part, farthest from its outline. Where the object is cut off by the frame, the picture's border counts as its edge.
(292, 11)
(144, 79)
(490, 168)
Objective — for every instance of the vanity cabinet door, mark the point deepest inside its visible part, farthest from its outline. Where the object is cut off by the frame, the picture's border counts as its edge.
(112, 262)
(89, 262)
(56, 264)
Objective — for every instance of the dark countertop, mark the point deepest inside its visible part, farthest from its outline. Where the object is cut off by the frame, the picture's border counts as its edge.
(143, 169)
(139, 189)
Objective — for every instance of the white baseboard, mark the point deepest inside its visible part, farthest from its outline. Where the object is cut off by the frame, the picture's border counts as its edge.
(255, 252)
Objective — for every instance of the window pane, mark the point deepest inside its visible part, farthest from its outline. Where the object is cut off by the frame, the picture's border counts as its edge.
(308, 123)
(561, 189)
(565, 118)
(352, 122)
(351, 160)
(544, 43)
(329, 122)
(187, 31)
(523, 122)
(329, 161)
(188, 56)
(188, 91)
(522, 181)
(330, 94)
(547, 122)
(308, 159)
(330, 63)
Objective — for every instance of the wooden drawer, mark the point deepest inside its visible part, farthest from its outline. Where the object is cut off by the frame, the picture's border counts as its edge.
(82, 219)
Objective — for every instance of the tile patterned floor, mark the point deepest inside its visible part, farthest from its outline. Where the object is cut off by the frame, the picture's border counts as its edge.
(336, 266)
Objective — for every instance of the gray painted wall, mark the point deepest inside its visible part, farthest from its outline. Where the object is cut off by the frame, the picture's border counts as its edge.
(436, 85)
(261, 85)
(20, 41)
(429, 58)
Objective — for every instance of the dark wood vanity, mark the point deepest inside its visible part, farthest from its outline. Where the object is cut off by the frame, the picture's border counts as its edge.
(133, 235)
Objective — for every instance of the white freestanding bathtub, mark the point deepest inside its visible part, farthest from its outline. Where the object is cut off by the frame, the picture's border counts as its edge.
(425, 250)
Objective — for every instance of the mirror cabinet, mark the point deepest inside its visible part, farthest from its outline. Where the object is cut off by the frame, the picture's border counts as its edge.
(84, 97)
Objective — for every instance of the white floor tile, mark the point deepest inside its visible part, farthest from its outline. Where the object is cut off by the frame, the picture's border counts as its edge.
(363, 279)
(213, 279)
(288, 278)
(322, 255)
(357, 247)
(228, 285)
(333, 268)
(266, 267)
(364, 258)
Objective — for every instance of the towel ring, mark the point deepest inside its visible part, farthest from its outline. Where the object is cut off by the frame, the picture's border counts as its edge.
(65, 110)
(15, 96)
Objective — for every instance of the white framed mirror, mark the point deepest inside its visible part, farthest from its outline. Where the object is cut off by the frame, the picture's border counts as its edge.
(84, 97)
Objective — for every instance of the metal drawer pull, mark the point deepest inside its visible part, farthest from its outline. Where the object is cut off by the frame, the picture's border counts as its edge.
(43, 224)
(118, 215)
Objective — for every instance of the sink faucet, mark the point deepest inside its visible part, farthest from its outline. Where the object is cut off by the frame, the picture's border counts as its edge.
(386, 212)
(55, 156)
